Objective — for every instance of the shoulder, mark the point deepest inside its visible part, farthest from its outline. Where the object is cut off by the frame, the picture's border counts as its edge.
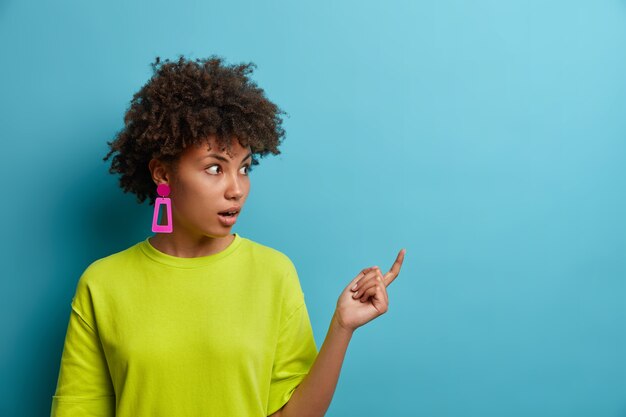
(270, 258)
(94, 280)
(104, 267)
(278, 265)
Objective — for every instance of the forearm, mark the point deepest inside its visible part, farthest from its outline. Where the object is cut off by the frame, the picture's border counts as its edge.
(312, 397)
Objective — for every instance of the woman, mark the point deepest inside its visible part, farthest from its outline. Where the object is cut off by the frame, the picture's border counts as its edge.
(197, 321)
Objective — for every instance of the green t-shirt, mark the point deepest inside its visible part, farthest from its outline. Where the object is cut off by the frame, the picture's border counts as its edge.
(155, 335)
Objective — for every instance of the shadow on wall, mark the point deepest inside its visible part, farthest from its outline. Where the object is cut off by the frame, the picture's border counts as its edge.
(104, 219)
(95, 219)
(4, 4)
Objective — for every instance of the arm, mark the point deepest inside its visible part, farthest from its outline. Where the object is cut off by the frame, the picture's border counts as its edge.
(84, 385)
(313, 395)
(364, 299)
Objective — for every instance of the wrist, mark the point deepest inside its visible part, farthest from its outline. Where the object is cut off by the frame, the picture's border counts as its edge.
(340, 326)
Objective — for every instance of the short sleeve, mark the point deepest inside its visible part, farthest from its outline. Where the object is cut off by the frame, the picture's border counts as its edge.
(295, 353)
(84, 386)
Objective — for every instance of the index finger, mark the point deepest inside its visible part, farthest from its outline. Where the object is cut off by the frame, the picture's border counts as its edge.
(395, 268)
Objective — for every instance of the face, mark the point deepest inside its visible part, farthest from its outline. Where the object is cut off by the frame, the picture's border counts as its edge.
(205, 183)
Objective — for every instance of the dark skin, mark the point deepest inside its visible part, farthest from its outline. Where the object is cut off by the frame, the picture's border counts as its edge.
(364, 299)
(201, 186)
(369, 287)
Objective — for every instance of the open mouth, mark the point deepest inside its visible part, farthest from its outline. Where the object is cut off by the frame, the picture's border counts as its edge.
(229, 213)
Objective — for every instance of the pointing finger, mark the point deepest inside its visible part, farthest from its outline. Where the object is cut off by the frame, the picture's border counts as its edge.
(395, 268)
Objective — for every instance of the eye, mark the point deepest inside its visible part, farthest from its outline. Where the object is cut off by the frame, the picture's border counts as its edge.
(212, 166)
(247, 167)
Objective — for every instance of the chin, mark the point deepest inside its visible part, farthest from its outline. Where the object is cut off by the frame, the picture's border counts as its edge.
(222, 234)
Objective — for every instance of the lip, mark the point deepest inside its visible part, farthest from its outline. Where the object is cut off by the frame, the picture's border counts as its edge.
(228, 221)
(233, 208)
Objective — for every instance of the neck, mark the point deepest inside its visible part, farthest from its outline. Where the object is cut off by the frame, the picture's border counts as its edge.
(185, 244)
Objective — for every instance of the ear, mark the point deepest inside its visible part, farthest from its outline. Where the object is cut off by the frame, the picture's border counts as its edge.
(159, 170)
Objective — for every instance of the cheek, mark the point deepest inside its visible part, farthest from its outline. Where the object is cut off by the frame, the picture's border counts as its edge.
(205, 199)
(187, 195)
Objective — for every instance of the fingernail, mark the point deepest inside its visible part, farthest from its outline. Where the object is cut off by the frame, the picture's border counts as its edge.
(354, 287)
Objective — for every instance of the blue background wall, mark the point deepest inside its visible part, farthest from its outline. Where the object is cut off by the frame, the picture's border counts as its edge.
(488, 138)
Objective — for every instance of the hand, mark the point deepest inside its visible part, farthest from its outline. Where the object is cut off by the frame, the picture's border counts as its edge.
(365, 298)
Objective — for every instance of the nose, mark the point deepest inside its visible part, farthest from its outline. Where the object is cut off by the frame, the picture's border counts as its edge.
(234, 187)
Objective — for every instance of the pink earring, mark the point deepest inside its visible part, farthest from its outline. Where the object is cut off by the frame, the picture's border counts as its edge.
(163, 190)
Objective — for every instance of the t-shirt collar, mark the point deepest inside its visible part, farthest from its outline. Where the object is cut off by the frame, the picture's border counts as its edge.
(179, 262)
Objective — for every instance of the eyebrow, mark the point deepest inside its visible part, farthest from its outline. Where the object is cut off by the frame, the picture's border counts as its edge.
(221, 158)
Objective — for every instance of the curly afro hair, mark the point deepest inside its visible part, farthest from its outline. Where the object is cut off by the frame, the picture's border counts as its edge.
(184, 103)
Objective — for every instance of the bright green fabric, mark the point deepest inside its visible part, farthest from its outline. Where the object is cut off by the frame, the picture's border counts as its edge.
(154, 335)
